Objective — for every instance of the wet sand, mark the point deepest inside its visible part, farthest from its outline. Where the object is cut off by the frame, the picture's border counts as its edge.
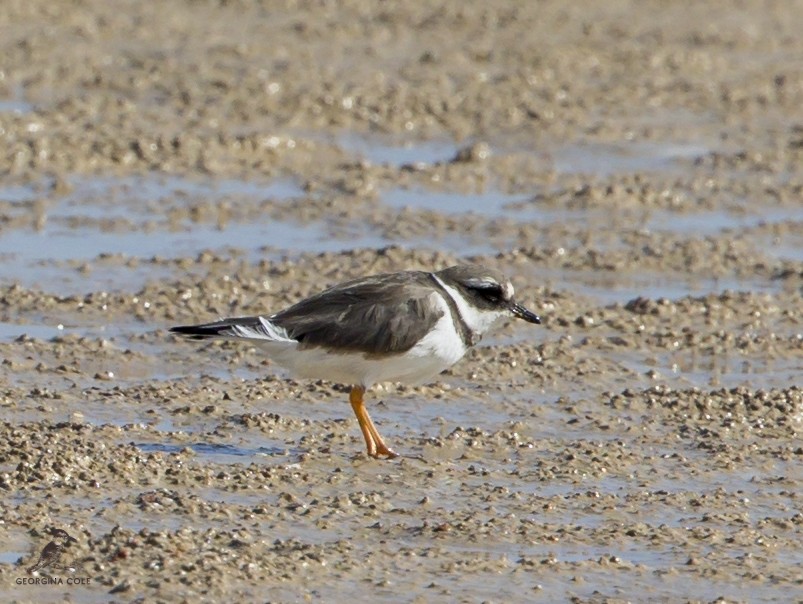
(636, 167)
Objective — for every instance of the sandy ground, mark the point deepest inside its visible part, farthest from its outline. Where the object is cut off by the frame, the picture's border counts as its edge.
(635, 166)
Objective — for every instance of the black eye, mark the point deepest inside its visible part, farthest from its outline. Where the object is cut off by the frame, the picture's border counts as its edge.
(489, 291)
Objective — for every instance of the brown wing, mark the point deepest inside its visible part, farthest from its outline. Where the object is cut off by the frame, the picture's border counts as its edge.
(376, 315)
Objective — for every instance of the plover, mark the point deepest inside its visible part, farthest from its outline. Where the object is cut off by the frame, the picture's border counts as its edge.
(51, 553)
(396, 327)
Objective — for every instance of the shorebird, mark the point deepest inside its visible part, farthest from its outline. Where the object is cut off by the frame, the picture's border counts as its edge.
(395, 327)
(51, 553)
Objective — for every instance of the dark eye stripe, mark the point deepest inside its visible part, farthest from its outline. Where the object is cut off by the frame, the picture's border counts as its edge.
(485, 286)
(490, 292)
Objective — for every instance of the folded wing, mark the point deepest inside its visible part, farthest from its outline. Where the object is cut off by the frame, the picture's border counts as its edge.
(375, 315)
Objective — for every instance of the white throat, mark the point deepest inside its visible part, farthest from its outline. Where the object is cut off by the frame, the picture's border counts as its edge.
(479, 321)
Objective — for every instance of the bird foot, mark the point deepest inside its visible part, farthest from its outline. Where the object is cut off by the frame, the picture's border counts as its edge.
(383, 452)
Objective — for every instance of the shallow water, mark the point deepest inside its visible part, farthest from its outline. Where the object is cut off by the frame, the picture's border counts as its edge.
(605, 160)
(106, 216)
(407, 152)
(214, 453)
(491, 204)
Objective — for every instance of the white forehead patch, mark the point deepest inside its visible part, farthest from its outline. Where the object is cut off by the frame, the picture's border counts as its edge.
(507, 290)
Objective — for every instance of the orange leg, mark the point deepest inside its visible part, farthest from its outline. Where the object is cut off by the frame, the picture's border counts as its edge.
(374, 443)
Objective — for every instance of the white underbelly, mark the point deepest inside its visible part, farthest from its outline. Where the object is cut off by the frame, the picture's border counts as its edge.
(438, 350)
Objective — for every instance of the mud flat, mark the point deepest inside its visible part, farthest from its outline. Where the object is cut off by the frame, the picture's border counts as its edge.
(636, 167)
